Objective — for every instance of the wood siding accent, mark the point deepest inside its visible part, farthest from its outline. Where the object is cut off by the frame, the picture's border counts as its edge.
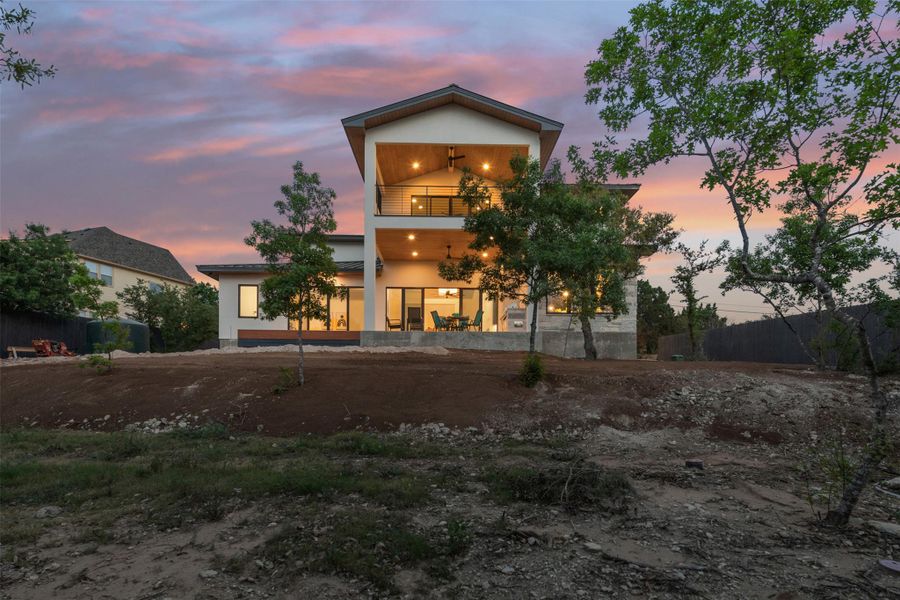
(277, 334)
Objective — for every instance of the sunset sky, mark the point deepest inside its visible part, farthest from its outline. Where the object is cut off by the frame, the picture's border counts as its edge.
(176, 122)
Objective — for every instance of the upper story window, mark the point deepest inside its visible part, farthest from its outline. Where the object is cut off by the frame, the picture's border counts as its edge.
(248, 301)
(154, 287)
(98, 271)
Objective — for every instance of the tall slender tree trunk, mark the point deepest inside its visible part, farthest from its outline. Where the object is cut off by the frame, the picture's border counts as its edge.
(876, 447)
(531, 338)
(692, 334)
(590, 351)
(300, 379)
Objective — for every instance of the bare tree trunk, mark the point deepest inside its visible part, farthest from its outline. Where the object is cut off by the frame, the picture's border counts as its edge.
(691, 333)
(531, 338)
(300, 379)
(590, 351)
(876, 446)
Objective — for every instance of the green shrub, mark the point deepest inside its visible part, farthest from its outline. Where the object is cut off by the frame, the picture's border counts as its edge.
(532, 370)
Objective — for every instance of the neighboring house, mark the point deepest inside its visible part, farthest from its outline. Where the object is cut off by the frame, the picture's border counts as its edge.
(410, 155)
(120, 261)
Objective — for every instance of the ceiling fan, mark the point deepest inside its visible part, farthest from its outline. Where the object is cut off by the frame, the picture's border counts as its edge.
(452, 158)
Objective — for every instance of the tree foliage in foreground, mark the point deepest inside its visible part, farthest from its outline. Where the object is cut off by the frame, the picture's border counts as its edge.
(40, 273)
(302, 270)
(655, 316)
(15, 67)
(512, 231)
(595, 244)
(695, 262)
(185, 316)
(790, 105)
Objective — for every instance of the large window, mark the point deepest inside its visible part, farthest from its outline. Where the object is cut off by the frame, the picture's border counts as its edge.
(413, 309)
(248, 301)
(98, 271)
(343, 314)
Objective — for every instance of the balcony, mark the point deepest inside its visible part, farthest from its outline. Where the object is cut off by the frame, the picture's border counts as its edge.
(425, 201)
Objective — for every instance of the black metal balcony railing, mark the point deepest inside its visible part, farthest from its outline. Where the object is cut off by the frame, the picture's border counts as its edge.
(425, 201)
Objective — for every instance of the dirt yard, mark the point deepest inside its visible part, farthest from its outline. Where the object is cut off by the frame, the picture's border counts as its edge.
(436, 475)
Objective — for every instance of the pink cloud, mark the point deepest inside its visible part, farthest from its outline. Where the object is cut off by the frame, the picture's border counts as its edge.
(215, 147)
(88, 110)
(95, 14)
(489, 73)
(279, 150)
(360, 35)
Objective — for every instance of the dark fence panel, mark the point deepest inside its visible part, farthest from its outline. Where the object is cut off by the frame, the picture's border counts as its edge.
(772, 341)
(19, 328)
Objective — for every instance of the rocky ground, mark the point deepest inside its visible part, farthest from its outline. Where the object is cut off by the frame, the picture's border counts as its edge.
(628, 480)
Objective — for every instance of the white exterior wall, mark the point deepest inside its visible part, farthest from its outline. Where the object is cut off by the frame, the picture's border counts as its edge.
(230, 322)
(447, 125)
(346, 251)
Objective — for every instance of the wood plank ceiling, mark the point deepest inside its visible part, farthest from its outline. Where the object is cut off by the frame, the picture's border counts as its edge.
(429, 244)
(396, 160)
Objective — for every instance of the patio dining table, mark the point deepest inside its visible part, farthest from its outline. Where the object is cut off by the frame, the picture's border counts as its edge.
(456, 322)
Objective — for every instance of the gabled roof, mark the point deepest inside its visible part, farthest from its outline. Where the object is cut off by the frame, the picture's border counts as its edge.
(105, 245)
(346, 266)
(356, 126)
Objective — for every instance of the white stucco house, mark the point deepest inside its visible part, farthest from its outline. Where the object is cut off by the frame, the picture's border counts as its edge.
(410, 155)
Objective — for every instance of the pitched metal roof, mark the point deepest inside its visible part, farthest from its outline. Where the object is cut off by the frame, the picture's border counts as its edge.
(344, 266)
(105, 245)
(356, 125)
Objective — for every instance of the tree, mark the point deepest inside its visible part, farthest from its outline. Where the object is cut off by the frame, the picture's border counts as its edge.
(655, 316)
(694, 263)
(302, 270)
(40, 273)
(788, 250)
(787, 103)
(706, 316)
(594, 244)
(23, 71)
(185, 316)
(513, 231)
(115, 337)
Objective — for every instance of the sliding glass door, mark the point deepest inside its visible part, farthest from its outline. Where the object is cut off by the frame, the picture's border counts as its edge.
(412, 309)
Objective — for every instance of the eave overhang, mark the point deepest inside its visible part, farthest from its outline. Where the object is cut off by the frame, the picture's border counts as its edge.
(355, 127)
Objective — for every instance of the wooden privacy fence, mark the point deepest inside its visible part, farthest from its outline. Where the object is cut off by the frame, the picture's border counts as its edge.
(19, 328)
(772, 341)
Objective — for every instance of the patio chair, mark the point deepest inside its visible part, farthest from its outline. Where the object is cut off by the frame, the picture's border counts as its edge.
(476, 322)
(393, 324)
(439, 323)
(414, 319)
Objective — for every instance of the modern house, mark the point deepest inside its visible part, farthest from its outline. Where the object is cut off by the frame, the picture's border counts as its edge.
(120, 261)
(410, 155)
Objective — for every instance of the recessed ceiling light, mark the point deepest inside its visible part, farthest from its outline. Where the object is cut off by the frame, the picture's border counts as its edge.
(416, 165)
(486, 166)
(411, 236)
(415, 253)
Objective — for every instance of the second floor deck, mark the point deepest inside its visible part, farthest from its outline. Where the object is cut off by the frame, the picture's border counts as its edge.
(426, 201)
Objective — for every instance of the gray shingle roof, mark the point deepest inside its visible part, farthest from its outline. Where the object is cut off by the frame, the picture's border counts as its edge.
(345, 266)
(105, 245)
